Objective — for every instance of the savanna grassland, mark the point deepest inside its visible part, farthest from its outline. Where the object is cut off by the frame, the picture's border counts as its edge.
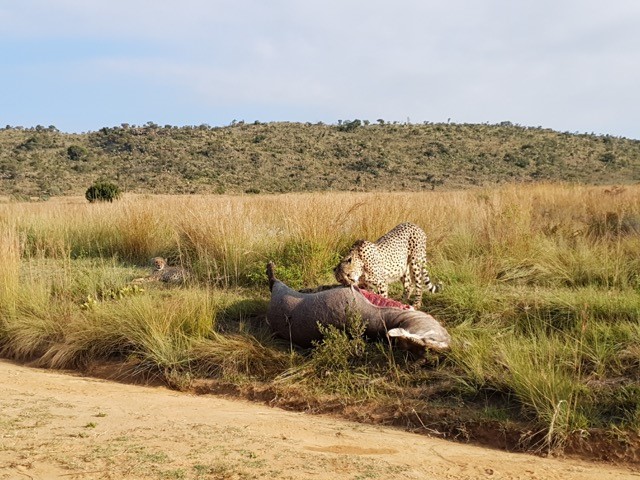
(541, 298)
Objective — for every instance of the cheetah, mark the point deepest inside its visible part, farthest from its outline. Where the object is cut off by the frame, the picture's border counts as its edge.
(399, 254)
(165, 273)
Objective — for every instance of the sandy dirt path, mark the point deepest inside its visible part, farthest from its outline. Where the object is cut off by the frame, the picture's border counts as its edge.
(61, 425)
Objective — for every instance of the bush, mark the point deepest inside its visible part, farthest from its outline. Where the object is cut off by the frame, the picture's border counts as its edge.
(102, 192)
(76, 152)
(34, 143)
(349, 126)
(608, 157)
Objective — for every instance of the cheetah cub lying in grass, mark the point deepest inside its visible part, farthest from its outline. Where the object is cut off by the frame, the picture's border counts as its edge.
(165, 273)
(399, 254)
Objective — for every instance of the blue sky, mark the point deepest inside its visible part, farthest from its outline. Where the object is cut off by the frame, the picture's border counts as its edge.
(570, 65)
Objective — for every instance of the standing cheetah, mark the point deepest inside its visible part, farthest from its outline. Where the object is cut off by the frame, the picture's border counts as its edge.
(399, 254)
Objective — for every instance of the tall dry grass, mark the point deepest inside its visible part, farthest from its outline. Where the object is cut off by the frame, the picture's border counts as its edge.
(11, 259)
(519, 226)
(541, 290)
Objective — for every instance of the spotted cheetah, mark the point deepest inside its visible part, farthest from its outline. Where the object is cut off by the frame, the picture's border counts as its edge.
(168, 274)
(164, 273)
(399, 254)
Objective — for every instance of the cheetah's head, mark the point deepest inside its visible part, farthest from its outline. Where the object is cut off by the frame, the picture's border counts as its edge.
(158, 263)
(351, 270)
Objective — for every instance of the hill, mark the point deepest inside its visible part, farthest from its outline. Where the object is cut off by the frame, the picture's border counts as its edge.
(286, 157)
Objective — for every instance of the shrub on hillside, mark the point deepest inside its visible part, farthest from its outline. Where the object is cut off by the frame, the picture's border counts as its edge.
(102, 192)
(76, 152)
(348, 126)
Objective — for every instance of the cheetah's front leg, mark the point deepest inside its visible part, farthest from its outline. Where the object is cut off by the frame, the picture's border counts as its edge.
(379, 285)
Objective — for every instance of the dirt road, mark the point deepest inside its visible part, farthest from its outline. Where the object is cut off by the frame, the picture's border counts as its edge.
(60, 425)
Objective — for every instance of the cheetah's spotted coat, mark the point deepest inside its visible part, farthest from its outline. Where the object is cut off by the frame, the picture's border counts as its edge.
(399, 254)
(164, 273)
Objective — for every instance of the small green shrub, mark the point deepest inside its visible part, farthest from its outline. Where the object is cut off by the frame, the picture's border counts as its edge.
(607, 157)
(76, 153)
(102, 192)
(35, 142)
(340, 348)
(349, 126)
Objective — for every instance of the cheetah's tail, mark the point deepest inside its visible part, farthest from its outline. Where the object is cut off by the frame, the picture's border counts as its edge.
(430, 286)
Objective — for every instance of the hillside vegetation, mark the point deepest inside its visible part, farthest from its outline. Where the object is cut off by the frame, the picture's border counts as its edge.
(295, 157)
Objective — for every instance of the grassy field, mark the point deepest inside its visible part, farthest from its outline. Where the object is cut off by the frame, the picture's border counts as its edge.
(541, 297)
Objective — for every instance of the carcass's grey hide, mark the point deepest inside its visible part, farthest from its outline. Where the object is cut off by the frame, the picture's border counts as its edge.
(295, 316)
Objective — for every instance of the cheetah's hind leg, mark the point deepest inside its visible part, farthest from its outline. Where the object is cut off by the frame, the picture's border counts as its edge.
(407, 285)
(150, 278)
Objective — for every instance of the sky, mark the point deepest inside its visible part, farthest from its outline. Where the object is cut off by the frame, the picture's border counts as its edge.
(80, 65)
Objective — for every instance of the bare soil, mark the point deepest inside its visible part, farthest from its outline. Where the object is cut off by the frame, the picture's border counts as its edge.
(62, 425)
